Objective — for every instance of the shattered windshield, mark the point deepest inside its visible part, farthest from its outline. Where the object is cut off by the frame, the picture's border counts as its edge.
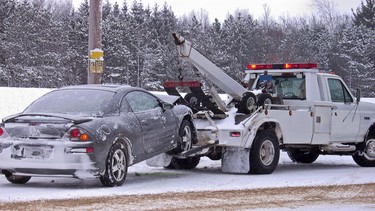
(73, 102)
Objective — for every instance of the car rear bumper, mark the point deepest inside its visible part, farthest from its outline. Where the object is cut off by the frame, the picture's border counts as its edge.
(47, 158)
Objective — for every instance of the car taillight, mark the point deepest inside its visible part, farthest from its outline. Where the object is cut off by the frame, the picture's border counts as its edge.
(1, 131)
(78, 135)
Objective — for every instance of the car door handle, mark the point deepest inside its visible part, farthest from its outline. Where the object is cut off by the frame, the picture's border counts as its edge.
(144, 123)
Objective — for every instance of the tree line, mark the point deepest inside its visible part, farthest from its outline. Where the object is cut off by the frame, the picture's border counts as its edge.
(44, 43)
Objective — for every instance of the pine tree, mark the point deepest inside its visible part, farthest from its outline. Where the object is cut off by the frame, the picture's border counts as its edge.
(365, 14)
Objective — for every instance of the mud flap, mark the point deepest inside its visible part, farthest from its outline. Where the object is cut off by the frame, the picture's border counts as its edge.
(235, 160)
(161, 160)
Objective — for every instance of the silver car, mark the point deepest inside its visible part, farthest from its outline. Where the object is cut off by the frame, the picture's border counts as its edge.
(91, 130)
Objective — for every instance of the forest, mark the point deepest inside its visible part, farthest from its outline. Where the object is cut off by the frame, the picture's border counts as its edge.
(44, 43)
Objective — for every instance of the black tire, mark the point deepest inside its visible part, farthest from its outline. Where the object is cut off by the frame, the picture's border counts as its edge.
(303, 156)
(187, 137)
(264, 153)
(264, 99)
(17, 179)
(116, 166)
(192, 100)
(366, 156)
(215, 154)
(248, 103)
(186, 164)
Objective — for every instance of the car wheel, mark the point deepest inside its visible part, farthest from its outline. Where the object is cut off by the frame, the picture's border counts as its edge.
(301, 156)
(116, 166)
(248, 103)
(187, 163)
(264, 153)
(17, 179)
(366, 156)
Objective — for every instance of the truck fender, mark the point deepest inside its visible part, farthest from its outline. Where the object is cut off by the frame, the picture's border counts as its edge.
(263, 124)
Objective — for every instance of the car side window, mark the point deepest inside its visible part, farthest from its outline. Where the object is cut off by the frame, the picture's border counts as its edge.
(338, 91)
(141, 101)
(124, 108)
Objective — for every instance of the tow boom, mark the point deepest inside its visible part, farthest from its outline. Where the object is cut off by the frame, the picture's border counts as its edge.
(208, 69)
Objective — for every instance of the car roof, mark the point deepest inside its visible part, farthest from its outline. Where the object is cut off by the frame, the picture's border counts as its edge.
(104, 87)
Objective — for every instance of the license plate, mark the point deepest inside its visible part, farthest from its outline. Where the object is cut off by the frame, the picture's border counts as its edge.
(32, 152)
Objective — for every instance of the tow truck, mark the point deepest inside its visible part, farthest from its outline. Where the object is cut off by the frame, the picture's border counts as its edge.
(292, 107)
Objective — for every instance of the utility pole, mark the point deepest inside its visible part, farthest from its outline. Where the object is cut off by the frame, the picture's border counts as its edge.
(95, 68)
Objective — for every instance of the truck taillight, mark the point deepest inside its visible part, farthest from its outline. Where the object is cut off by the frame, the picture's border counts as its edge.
(235, 134)
(282, 66)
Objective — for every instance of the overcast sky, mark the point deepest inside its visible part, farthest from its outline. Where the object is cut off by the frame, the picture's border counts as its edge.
(220, 8)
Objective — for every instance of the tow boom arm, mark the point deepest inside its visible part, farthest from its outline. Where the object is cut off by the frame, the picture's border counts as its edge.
(208, 69)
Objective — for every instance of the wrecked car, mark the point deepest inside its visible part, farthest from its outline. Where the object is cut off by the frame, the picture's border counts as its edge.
(91, 130)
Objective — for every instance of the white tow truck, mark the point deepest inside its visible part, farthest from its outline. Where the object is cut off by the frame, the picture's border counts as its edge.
(292, 107)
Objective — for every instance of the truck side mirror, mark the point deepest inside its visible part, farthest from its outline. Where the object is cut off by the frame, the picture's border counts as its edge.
(358, 95)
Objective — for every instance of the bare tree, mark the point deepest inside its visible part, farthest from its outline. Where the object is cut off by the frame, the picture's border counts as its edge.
(326, 10)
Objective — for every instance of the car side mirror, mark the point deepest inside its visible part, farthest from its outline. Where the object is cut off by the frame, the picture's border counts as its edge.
(358, 95)
(166, 106)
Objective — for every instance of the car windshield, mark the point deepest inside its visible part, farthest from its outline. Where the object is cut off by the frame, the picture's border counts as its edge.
(74, 102)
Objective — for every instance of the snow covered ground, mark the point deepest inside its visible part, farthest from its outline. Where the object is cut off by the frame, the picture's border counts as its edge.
(327, 170)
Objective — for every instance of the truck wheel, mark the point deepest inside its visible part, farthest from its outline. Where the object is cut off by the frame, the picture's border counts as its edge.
(366, 156)
(116, 166)
(17, 179)
(248, 103)
(300, 156)
(264, 99)
(264, 153)
(192, 100)
(187, 164)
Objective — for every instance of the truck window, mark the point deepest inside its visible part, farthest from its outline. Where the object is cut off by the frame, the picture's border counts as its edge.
(338, 91)
(289, 87)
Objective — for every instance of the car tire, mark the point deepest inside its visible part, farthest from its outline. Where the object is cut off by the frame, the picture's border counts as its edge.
(187, 137)
(264, 153)
(299, 156)
(248, 103)
(17, 179)
(366, 156)
(116, 166)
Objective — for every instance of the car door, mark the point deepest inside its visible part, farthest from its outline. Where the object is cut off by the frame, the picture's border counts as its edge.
(345, 118)
(147, 109)
(130, 128)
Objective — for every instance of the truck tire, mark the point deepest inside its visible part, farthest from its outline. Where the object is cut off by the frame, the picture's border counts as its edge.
(264, 153)
(264, 99)
(186, 164)
(300, 156)
(366, 156)
(248, 103)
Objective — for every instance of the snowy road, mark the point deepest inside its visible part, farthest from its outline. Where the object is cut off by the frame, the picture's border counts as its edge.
(333, 171)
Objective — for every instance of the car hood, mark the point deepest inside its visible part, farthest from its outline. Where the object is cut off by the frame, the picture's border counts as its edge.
(171, 99)
(46, 126)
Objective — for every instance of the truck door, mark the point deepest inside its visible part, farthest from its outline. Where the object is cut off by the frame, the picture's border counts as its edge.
(345, 119)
